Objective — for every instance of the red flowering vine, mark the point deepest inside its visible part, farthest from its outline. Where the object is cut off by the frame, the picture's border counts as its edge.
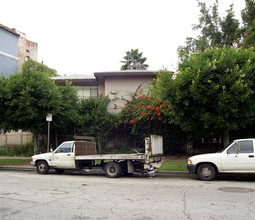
(142, 109)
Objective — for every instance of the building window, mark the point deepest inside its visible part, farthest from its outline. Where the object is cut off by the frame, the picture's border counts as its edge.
(86, 91)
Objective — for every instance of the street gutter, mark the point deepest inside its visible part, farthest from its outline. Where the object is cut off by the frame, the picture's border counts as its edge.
(162, 174)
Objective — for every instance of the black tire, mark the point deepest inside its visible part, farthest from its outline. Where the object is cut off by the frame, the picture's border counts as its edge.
(206, 172)
(42, 167)
(60, 171)
(113, 170)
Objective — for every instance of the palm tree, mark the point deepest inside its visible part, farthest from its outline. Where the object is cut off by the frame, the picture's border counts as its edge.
(134, 61)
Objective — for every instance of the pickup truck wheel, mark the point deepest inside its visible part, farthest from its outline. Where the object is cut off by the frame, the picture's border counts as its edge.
(42, 167)
(206, 172)
(113, 170)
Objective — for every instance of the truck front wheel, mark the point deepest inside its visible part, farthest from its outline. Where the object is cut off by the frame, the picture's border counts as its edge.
(206, 172)
(42, 167)
(113, 170)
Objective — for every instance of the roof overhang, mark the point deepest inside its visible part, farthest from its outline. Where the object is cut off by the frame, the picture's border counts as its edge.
(102, 75)
(75, 79)
(11, 30)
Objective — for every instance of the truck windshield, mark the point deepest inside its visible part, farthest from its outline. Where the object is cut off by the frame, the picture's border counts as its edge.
(220, 151)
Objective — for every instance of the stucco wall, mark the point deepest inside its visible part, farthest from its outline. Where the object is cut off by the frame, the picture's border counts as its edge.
(121, 87)
(27, 50)
(15, 138)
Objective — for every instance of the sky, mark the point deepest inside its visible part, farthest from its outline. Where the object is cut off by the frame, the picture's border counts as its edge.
(87, 36)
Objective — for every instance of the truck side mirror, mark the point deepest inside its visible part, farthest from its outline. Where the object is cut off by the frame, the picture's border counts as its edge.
(51, 150)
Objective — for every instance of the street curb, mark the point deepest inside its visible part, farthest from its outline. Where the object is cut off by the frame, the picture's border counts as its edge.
(18, 168)
(159, 173)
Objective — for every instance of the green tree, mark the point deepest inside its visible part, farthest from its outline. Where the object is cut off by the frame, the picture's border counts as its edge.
(27, 98)
(95, 120)
(3, 98)
(66, 116)
(134, 61)
(214, 31)
(230, 27)
(248, 16)
(213, 91)
(38, 67)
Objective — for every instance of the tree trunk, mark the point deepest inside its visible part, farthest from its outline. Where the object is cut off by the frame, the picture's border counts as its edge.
(226, 138)
(36, 145)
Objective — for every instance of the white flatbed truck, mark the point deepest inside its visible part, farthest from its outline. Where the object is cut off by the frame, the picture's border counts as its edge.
(82, 155)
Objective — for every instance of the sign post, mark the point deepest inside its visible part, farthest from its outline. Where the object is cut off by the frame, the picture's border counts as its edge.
(48, 119)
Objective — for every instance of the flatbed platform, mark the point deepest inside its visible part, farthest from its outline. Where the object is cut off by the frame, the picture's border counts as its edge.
(111, 157)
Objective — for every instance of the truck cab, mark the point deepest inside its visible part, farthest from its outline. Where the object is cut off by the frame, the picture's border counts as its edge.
(60, 158)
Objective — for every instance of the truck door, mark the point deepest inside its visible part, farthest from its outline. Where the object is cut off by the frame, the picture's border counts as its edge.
(239, 157)
(63, 157)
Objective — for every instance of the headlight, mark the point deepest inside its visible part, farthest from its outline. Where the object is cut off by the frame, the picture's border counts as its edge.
(189, 161)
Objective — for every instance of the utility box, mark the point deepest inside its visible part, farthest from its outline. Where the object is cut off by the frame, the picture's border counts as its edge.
(156, 145)
(153, 147)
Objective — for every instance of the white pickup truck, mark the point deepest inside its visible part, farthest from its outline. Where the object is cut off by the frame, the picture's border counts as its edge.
(82, 155)
(238, 157)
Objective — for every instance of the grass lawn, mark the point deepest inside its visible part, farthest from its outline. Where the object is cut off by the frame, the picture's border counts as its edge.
(173, 166)
(14, 162)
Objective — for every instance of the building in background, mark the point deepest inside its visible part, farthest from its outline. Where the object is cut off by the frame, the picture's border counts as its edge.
(117, 85)
(85, 85)
(15, 49)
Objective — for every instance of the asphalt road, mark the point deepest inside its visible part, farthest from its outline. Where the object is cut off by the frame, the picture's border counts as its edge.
(28, 195)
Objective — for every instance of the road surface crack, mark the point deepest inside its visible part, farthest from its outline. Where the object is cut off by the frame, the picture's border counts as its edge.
(185, 205)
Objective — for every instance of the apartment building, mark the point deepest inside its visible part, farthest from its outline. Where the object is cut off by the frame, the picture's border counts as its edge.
(15, 49)
(115, 84)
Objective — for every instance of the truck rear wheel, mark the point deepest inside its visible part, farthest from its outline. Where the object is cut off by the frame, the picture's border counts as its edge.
(206, 172)
(113, 170)
(42, 167)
